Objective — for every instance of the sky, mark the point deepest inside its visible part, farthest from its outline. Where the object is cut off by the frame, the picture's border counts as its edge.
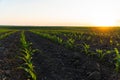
(60, 12)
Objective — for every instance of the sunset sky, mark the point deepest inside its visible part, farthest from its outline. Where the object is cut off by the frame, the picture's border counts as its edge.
(60, 12)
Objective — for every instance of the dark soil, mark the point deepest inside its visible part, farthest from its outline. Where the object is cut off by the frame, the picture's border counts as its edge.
(9, 61)
(55, 62)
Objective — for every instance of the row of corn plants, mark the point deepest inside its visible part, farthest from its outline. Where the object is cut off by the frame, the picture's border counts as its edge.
(102, 53)
(69, 43)
(6, 34)
(48, 36)
(86, 47)
(27, 53)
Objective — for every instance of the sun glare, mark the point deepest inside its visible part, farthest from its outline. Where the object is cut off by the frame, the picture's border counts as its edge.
(104, 22)
(103, 16)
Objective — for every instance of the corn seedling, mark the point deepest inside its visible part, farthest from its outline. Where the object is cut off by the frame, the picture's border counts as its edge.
(117, 60)
(101, 54)
(111, 42)
(70, 43)
(86, 48)
(88, 38)
(101, 41)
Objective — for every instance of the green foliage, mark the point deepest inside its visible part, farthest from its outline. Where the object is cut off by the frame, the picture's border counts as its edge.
(48, 36)
(89, 37)
(99, 39)
(117, 60)
(70, 43)
(111, 42)
(101, 53)
(86, 48)
(6, 34)
(27, 53)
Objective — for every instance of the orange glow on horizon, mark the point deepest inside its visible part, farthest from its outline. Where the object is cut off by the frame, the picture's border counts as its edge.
(104, 29)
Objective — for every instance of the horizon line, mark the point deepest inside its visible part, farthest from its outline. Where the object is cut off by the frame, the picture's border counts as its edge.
(52, 26)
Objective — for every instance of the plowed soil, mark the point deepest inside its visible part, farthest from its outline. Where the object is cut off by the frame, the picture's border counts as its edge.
(9, 61)
(52, 61)
(55, 62)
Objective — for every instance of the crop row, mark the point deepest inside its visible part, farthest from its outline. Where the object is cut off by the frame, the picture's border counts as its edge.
(6, 34)
(27, 53)
(93, 44)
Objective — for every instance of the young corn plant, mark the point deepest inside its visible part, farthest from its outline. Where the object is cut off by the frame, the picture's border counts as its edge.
(86, 48)
(89, 37)
(117, 60)
(101, 54)
(70, 43)
(27, 53)
(101, 41)
(111, 42)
